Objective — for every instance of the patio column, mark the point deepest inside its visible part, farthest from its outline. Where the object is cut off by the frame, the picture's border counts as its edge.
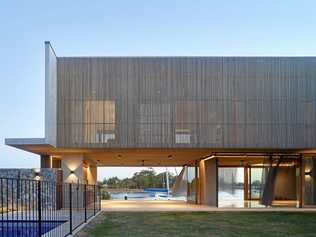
(90, 172)
(208, 182)
(78, 169)
(46, 161)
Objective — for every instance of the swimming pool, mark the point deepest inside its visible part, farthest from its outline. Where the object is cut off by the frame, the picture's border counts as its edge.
(19, 228)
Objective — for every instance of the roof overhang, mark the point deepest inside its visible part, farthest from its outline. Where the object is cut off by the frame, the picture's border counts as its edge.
(147, 156)
(34, 145)
(41, 147)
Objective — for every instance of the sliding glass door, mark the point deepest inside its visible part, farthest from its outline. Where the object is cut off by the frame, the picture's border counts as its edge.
(231, 187)
(255, 183)
(192, 182)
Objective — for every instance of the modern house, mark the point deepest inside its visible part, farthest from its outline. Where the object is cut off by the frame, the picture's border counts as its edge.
(209, 114)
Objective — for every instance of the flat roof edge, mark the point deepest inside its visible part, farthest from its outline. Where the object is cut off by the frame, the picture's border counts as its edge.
(187, 57)
(25, 141)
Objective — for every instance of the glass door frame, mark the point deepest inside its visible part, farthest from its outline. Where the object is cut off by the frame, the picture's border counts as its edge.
(217, 179)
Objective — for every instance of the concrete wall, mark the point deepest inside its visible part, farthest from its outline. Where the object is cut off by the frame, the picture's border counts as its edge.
(50, 95)
(208, 182)
(77, 169)
(72, 166)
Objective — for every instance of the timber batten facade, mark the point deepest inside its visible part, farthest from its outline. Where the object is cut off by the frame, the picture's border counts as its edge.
(186, 102)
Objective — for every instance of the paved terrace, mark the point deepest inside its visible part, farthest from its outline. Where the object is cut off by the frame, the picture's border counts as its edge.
(182, 206)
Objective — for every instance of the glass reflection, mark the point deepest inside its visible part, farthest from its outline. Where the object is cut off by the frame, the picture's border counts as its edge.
(230, 187)
(255, 183)
(192, 178)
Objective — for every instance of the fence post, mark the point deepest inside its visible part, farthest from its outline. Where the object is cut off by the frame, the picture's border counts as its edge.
(39, 207)
(99, 195)
(70, 208)
(100, 198)
(85, 202)
(94, 200)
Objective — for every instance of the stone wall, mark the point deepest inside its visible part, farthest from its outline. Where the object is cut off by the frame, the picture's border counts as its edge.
(19, 188)
(30, 174)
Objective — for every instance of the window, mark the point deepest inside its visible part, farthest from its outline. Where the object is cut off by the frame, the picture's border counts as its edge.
(99, 121)
(186, 122)
(183, 136)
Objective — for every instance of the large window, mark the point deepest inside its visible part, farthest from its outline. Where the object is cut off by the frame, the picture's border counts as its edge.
(99, 121)
(255, 183)
(231, 187)
(186, 120)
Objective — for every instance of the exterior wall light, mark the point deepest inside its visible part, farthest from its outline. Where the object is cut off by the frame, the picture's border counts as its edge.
(308, 173)
(37, 174)
(72, 172)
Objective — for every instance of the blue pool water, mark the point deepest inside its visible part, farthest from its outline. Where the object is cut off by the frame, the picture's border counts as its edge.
(146, 195)
(26, 228)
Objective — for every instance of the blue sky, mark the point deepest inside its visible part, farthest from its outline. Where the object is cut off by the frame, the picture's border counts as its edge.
(114, 28)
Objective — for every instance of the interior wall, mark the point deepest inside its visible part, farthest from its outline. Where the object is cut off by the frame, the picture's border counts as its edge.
(286, 184)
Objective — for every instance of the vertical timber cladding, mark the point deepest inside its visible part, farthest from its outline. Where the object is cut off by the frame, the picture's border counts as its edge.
(220, 102)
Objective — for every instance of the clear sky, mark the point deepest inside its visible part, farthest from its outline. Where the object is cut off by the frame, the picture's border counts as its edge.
(117, 28)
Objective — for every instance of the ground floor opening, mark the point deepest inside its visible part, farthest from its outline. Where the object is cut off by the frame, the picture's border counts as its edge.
(223, 180)
(212, 177)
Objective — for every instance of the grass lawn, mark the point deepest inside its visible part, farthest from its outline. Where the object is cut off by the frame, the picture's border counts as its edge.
(180, 224)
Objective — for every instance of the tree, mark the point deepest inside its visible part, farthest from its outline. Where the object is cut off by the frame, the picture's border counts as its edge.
(143, 179)
(113, 182)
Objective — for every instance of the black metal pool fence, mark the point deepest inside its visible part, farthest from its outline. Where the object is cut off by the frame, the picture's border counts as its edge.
(32, 208)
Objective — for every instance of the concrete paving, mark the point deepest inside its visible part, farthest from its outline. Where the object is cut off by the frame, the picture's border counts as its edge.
(182, 206)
